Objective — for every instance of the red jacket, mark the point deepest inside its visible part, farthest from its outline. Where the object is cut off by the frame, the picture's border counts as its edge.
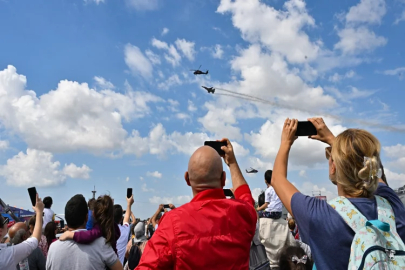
(210, 232)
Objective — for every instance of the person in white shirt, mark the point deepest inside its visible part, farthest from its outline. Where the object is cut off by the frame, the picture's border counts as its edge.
(10, 256)
(49, 215)
(124, 228)
(273, 207)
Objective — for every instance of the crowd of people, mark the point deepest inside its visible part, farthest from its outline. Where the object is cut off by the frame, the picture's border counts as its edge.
(363, 228)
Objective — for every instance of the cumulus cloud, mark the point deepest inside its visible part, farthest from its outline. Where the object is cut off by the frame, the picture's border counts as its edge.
(155, 174)
(217, 52)
(71, 117)
(177, 200)
(165, 31)
(173, 80)
(143, 4)
(153, 58)
(172, 56)
(367, 11)
(358, 39)
(137, 62)
(338, 77)
(191, 107)
(4, 145)
(38, 168)
(394, 72)
(103, 83)
(186, 47)
(145, 188)
(94, 1)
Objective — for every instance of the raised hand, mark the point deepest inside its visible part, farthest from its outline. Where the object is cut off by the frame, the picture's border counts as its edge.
(324, 134)
(289, 129)
(229, 156)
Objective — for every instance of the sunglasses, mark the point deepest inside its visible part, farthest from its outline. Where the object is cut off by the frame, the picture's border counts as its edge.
(328, 152)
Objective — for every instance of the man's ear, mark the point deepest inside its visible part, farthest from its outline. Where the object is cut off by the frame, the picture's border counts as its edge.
(223, 178)
(187, 178)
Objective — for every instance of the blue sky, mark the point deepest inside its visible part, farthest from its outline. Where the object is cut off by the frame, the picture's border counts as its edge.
(100, 92)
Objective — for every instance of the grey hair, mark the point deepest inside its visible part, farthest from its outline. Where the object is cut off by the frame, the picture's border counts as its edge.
(19, 237)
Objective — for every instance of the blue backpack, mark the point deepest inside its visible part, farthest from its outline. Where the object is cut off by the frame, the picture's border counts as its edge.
(376, 243)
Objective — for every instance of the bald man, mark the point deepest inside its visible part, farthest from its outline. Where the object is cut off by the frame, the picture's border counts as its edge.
(210, 232)
(16, 227)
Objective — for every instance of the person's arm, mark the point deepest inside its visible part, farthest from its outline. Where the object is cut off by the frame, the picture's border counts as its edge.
(130, 201)
(39, 210)
(24, 249)
(323, 132)
(284, 189)
(128, 248)
(132, 218)
(171, 206)
(116, 266)
(230, 160)
(264, 206)
(153, 219)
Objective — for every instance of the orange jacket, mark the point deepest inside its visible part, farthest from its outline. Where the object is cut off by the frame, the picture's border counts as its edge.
(210, 232)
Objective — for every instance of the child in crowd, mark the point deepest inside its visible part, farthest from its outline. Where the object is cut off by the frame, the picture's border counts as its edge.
(50, 234)
(104, 225)
(294, 258)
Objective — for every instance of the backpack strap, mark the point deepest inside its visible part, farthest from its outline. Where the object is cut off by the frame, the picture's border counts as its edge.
(349, 213)
(385, 213)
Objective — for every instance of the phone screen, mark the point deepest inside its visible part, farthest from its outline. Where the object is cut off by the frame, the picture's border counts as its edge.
(228, 193)
(32, 191)
(129, 192)
(217, 146)
(166, 206)
(305, 128)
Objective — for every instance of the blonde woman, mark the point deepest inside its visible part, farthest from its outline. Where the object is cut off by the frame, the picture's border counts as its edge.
(321, 227)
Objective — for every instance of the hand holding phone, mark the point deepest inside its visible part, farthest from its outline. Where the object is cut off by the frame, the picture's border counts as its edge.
(305, 128)
(228, 193)
(166, 206)
(129, 192)
(217, 146)
(32, 191)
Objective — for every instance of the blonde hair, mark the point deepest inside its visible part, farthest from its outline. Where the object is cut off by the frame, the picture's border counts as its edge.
(357, 175)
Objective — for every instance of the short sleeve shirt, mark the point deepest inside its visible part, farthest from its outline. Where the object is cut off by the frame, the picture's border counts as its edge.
(275, 204)
(328, 235)
(123, 241)
(10, 256)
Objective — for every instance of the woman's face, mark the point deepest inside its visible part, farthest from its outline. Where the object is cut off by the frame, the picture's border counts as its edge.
(332, 171)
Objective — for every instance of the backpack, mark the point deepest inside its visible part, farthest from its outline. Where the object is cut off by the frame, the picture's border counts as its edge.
(376, 243)
(134, 256)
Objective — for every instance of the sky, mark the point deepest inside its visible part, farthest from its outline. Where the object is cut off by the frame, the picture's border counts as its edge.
(100, 92)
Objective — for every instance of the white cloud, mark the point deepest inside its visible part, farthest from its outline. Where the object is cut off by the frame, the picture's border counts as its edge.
(353, 93)
(143, 4)
(337, 77)
(182, 116)
(103, 83)
(153, 58)
(394, 72)
(177, 201)
(145, 188)
(256, 192)
(191, 107)
(173, 102)
(253, 18)
(173, 80)
(217, 52)
(400, 18)
(171, 55)
(137, 62)
(155, 174)
(127, 179)
(4, 145)
(395, 180)
(358, 40)
(141, 178)
(71, 117)
(186, 47)
(73, 171)
(367, 11)
(239, 150)
(38, 168)
(94, 1)
(165, 31)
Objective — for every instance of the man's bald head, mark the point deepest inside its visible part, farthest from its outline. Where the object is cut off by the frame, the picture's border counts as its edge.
(15, 228)
(205, 169)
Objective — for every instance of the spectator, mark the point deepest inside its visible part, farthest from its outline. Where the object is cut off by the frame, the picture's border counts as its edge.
(50, 233)
(157, 216)
(10, 256)
(124, 228)
(42, 245)
(104, 225)
(294, 258)
(48, 213)
(136, 246)
(319, 222)
(90, 221)
(36, 260)
(71, 255)
(272, 207)
(293, 228)
(210, 232)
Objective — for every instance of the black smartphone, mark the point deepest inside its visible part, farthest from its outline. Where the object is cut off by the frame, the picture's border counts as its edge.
(305, 128)
(32, 191)
(129, 192)
(166, 206)
(62, 224)
(217, 146)
(228, 193)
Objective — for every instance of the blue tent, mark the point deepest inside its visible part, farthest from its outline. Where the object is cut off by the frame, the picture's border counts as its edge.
(18, 212)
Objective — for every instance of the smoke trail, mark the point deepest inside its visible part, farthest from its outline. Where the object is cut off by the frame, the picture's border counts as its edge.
(340, 118)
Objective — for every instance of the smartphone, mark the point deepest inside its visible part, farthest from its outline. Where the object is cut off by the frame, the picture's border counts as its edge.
(305, 128)
(228, 193)
(166, 206)
(32, 191)
(62, 224)
(217, 146)
(129, 192)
